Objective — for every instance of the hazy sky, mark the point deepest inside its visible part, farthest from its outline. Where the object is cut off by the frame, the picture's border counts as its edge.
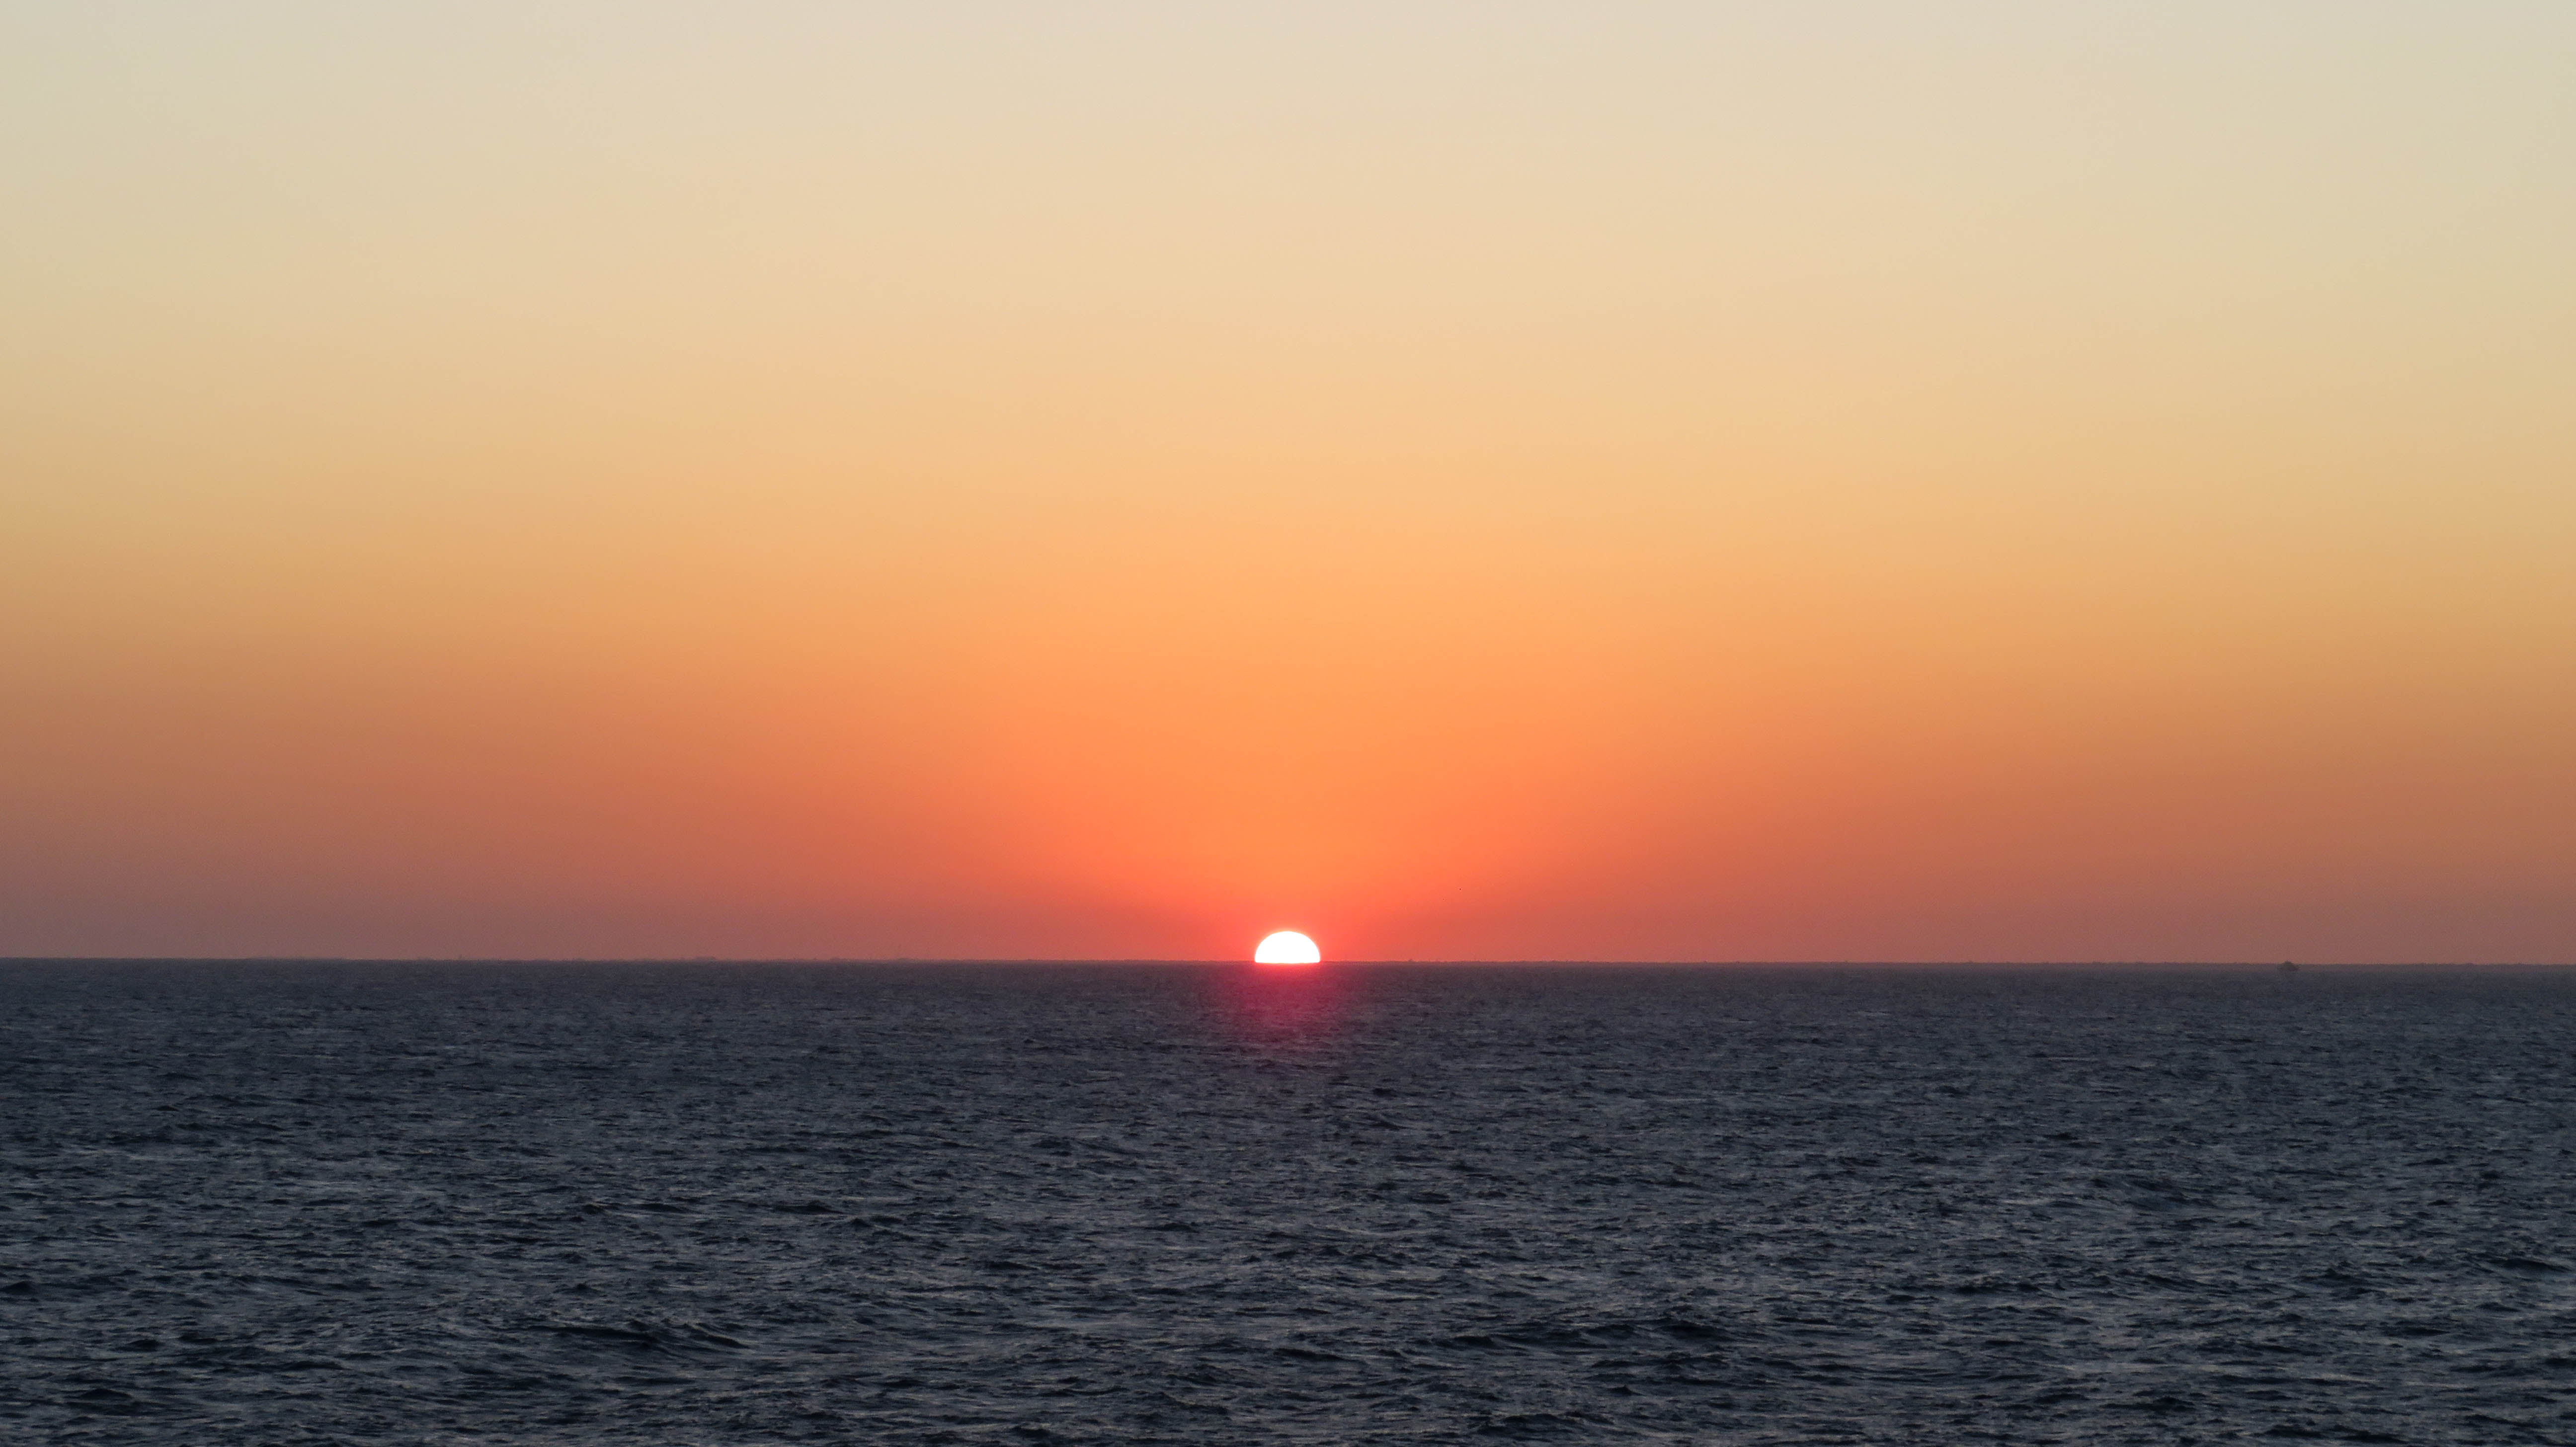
(1664, 481)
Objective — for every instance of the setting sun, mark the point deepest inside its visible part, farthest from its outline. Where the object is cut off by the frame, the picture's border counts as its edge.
(1287, 947)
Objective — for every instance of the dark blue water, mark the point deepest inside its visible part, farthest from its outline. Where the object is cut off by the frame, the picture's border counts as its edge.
(734, 1205)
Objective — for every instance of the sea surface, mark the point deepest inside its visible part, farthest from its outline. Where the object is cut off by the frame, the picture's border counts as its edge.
(740, 1204)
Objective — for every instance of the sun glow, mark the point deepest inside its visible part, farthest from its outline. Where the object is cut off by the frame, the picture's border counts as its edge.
(1287, 947)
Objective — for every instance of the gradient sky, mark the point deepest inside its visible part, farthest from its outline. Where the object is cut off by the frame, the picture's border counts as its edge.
(1843, 479)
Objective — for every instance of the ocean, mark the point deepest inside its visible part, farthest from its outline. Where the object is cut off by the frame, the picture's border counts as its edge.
(359, 1203)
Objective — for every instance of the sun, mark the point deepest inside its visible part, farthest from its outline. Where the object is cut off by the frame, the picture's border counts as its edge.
(1287, 947)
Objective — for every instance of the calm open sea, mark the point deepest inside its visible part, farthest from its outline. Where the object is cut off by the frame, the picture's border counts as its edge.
(730, 1204)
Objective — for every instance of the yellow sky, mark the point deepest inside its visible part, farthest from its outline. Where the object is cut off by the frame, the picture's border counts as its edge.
(1864, 480)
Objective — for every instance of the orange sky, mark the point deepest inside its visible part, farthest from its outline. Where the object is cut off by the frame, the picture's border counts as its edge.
(1862, 480)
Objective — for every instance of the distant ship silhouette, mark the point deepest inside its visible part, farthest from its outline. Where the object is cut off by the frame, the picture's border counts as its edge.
(2288, 969)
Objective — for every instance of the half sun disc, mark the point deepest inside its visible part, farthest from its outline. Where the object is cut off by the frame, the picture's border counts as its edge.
(1287, 947)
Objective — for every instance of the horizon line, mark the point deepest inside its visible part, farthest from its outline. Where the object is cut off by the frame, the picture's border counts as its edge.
(1159, 960)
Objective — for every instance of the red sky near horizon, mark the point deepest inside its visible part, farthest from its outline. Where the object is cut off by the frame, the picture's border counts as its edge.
(1844, 481)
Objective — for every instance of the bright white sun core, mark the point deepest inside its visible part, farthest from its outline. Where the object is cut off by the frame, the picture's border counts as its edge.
(1287, 948)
